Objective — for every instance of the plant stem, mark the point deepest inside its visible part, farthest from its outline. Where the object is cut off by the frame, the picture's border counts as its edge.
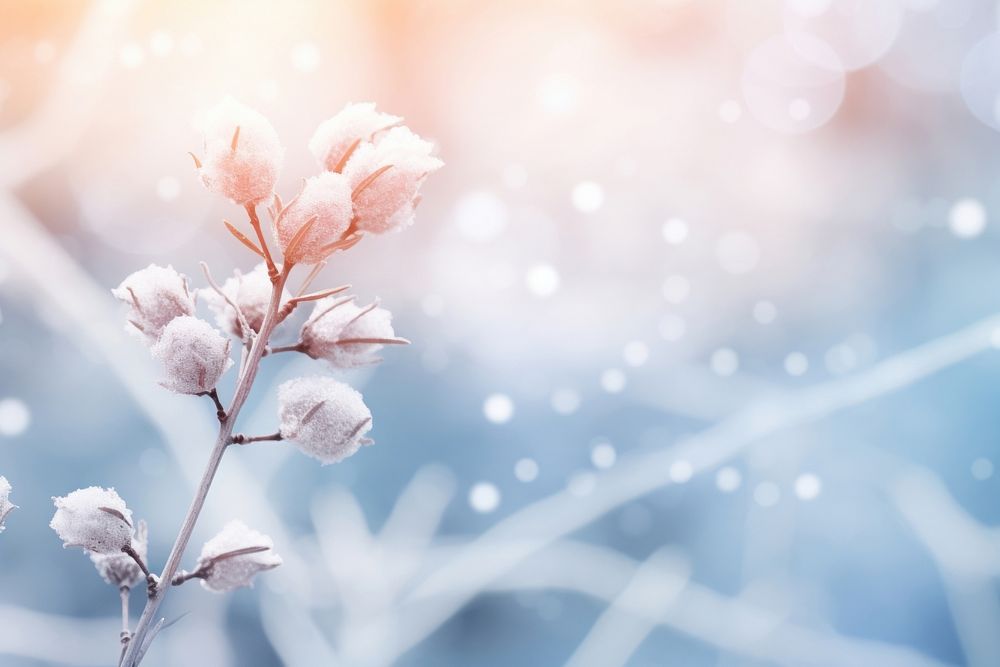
(243, 387)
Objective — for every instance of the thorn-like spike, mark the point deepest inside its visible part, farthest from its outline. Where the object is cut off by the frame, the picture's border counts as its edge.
(236, 138)
(369, 180)
(197, 162)
(242, 238)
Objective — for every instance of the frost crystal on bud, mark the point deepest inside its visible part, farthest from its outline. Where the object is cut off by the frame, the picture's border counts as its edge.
(232, 558)
(385, 201)
(93, 518)
(5, 505)
(242, 153)
(326, 419)
(119, 569)
(344, 333)
(355, 124)
(194, 355)
(155, 295)
(251, 292)
(327, 198)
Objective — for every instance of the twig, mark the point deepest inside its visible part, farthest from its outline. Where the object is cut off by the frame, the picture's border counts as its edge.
(240, 439)
(246, 332)
(126, 633)
(297, 347)
(243, 387)
(220, 410)
(272, 270)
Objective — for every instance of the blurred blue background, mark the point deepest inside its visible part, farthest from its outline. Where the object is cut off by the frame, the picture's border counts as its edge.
(703, 309)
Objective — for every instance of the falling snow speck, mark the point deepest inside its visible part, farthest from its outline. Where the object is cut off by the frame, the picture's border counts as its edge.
(542, 280)
(796, 364)
(967, 218)
(675, 231)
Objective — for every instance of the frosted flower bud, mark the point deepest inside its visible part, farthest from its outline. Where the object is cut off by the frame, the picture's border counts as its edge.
(194, 355)
(5, 505)
(327, 197)
(120, 569)
(93, 518)
(231, 559)
(155, 295)
(251, 292)
(385, 202)
(324, 418)
(355, 124)
(344, 334)
(242, 167)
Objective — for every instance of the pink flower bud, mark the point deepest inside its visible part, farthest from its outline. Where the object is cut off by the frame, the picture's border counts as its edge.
(231, 559)
(120, 569)
(194, 355)
(251, 292)
(345, 334)
(324, 418)
(384, 200)
(5, 505)
(354, 125)
(327, 198)
(93, 518)
(242, 166)
(155, 295)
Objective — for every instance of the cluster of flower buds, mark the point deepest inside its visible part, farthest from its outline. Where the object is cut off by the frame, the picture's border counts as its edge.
(345, 334)
(5, 505)
(373, 171)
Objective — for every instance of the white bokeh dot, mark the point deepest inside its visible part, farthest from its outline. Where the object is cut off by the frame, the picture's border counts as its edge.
(724, 362)
(603, 455)
(131, 56)
(737, 253)
(635, 353)
(587, 196)
(675, 231)
(542, 280)
(681, 471)
(498, 408)
(484, 497)
(728, 479)
(982, 469)
(161, 44)
(967, 218)
(305, 57)
(480, 216)
(796, 364)
(168, 188)
(526, 470)
(613, 381)
(565, 401)
(15, 417)
(808, 486)
(764, 312)
(676, 289)
(730, 111)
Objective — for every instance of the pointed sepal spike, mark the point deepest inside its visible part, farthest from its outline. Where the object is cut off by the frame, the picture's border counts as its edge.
(241, 237)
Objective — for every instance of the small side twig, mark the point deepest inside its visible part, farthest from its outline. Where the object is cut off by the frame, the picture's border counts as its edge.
(297, 347)
(220, 410)
(126, 633)
(246, 332)
(241, 439)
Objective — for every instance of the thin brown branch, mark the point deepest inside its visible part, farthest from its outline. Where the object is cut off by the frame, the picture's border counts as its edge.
(241, 439)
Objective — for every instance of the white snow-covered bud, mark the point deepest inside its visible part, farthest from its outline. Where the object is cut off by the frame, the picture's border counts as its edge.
(93, 518)
(385, 178)
(155, 295)
(345, 334)
(231, 559)
(324, 418)
(120, 569)
(242, 153)
(194, 355)
(325, 197)
(251, 292)
(5, 505)
(336, 138)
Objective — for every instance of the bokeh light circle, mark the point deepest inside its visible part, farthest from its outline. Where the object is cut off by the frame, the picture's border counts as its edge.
(858, 31)
(980, 80)
(793, 83)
